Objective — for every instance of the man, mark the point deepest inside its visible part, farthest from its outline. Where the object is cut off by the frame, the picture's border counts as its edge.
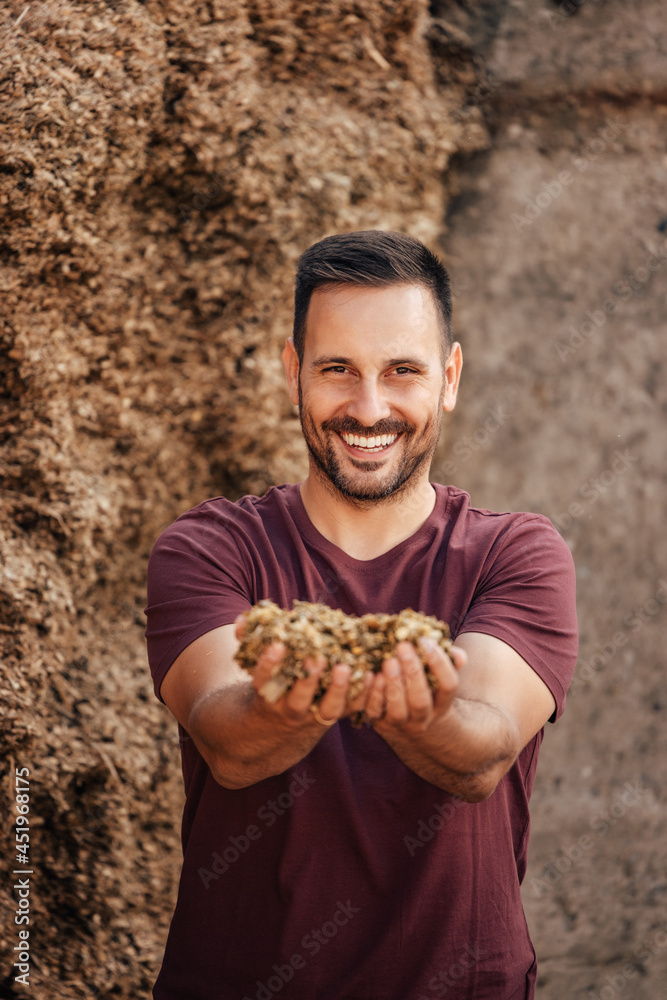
(324, 861)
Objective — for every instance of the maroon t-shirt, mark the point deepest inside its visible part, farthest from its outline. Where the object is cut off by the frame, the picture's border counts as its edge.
(349, 877)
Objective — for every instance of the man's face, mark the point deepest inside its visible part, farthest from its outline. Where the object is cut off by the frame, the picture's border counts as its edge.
(372, 388)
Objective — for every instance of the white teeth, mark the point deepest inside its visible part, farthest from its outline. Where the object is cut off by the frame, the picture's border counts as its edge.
(381, 441)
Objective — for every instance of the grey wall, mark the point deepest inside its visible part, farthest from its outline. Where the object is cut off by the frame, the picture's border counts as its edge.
(557, 241)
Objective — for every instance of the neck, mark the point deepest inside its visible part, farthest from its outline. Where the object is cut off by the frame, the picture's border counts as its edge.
(366, 530)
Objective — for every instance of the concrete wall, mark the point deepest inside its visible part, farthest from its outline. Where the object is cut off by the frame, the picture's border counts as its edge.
(557, 239)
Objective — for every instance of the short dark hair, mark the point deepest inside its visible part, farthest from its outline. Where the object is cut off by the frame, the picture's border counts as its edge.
(374, 258)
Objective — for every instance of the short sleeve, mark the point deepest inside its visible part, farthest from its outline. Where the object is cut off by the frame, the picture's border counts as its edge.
(526, 597)
(198, 580)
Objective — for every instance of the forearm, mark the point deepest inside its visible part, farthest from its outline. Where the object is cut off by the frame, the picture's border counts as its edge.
(465, 751)
(241, 743)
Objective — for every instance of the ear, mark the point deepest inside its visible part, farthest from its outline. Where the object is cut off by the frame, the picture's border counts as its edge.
(291, 362)
(452, 377)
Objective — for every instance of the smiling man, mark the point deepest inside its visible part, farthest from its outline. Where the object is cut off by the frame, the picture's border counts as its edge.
(400, 398)
(381, 863)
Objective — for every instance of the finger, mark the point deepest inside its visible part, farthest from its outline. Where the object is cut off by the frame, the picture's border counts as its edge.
(239, 625)
(267, 662)
(458, 656)
(300, 696)
(417, 691)
(334, 702)
(358, 704)
(443, 670)
(375, 701)
(396, 704)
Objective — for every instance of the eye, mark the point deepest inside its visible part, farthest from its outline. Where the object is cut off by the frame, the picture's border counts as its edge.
(338, 369)
(402, 370)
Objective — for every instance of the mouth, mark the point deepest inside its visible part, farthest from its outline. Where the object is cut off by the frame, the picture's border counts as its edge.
(360, 445)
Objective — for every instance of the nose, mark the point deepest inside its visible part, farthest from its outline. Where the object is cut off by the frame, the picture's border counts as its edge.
(369, 403)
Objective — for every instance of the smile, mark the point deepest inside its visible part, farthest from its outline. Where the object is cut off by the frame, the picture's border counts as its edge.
(370, 445)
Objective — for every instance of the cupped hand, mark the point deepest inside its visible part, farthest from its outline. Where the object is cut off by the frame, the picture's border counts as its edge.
(401, 696)
(294, 707)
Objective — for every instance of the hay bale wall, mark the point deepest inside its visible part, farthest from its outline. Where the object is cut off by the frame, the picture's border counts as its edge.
(163, 165)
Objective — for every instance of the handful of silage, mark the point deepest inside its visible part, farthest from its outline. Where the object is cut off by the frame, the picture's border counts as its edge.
(312, 629)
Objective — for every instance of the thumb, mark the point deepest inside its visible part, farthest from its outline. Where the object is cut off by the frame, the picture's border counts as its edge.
(458, 656)
(239, 625)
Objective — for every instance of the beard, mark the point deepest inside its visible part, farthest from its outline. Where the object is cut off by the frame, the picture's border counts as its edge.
(366, 489)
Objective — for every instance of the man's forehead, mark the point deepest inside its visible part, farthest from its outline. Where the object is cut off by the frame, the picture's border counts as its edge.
(396, 319)
(338, 296)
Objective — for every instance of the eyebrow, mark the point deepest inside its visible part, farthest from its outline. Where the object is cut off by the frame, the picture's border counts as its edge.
(389, 363)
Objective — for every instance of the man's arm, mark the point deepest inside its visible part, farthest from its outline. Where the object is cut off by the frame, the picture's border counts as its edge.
(466, 736)
(241, 737)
